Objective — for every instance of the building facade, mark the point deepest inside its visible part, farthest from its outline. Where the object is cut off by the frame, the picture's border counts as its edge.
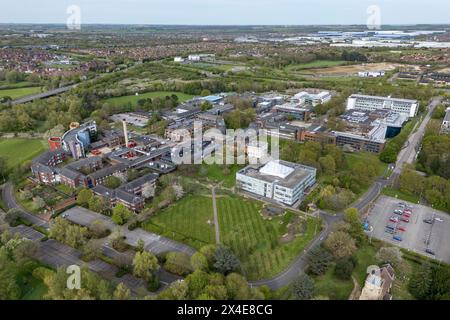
(371, 103)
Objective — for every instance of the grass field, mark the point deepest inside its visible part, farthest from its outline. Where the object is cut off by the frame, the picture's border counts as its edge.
(186, 221)
(17, 151)
(396, 193)
(19, 92)
(316, 64)
(256, 240)
(216, 173)
(133, 99)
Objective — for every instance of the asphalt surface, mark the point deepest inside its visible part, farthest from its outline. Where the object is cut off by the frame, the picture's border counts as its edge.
(416, 235)
(153, 242)
(42, 95)
(9, 198)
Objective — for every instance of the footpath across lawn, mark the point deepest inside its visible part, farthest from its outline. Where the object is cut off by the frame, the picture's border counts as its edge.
(257, 241)
(189, 220)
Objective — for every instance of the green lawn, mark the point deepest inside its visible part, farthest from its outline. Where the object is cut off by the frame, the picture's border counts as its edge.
(216, 173)
(133, 99)
(186, 221)
(17, 151)
(19, 92)
(364, 157)
(256, 241)
(316, 64)
(330, 286)
(403, 195)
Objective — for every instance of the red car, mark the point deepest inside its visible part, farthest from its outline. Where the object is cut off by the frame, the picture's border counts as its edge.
(401, 229)
(405, 220)
(407, 211)
(407, 215)
(393, 219)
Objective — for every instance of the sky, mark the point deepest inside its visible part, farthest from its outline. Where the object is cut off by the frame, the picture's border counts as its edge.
(226, 12)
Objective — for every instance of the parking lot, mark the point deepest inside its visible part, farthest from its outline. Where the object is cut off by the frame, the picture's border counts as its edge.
(416, 233)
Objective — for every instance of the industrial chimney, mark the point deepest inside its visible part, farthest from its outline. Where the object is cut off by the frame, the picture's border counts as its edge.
(125, 132)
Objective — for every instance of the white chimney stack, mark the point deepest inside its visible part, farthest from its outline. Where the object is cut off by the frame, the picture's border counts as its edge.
(125, 132)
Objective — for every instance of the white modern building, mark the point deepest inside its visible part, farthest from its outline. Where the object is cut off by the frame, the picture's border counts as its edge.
(371, 103)
(445, 128)
(313, 99)
(371, 74)
(282, 181)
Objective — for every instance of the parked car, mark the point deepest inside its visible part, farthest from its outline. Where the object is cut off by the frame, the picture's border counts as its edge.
(407, 215)
(398, 238)
(429, 221)
(405, 220)
(401, 228)
(391, 226)
(393, 219)
(399, 212)
(407, 211)
(390, 231)
(429, 251)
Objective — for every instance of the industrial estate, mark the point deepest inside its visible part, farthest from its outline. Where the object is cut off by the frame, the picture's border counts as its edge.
(345, 195)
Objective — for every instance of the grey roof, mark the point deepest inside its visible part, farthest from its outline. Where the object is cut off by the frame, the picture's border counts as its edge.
(71, 174)
(140, 181)
(86, 162)
(108, 171)
(447, 115)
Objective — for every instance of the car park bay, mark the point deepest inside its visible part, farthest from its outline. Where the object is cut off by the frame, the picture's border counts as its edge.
(431, 238)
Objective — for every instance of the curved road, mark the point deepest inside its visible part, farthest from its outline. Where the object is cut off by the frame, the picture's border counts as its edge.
(407, 155)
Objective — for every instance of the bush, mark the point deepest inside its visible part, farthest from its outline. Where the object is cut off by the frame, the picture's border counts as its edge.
(178, 263)
(344, 268)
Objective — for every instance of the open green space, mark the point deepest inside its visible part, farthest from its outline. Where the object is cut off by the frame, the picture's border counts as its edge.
(133, 99)
(332, 287)
(221, 173)
(400, 194)
(316, 64)
(188, 220)
(256, 241)
(17, 151)
(19, 92)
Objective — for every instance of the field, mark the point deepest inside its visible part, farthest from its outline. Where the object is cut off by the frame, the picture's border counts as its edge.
(186, 221)
(19, 92)
(316, 64)
(256, 241)
(17, 151)
(133, 99)
(216, 173)
(347, 70)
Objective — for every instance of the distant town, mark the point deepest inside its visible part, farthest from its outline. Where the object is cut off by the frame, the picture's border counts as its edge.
(345, 195)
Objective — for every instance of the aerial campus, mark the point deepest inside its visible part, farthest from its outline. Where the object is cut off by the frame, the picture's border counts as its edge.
(171, 162)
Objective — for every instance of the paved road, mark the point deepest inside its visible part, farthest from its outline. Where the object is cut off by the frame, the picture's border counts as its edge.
(43, 95)
(9, 198)
(153, 242)
(407, 155)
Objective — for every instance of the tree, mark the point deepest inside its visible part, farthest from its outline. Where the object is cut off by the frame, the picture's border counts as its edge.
(178, 263)
(121, 214)
(63, 231)
(340, 244)
(98, 204)
(12, 215)
(420, 283)
(26, 195)
(122, 292)
(319, 261)
(83, 197)
(98, 229)
(303, 287)
(391, 255)
(38, 203)
(112, 182)
(351, 216)
(344, 268)
(209, 251)
(145, 265)
(9, 289)
(226, 260)
(237, 287)
(92, 250)
(140, 245)
(199, 261)
(3, 168)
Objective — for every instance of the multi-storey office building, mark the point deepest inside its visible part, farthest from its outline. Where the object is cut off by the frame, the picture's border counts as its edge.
(282, 181)
(371, 103)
